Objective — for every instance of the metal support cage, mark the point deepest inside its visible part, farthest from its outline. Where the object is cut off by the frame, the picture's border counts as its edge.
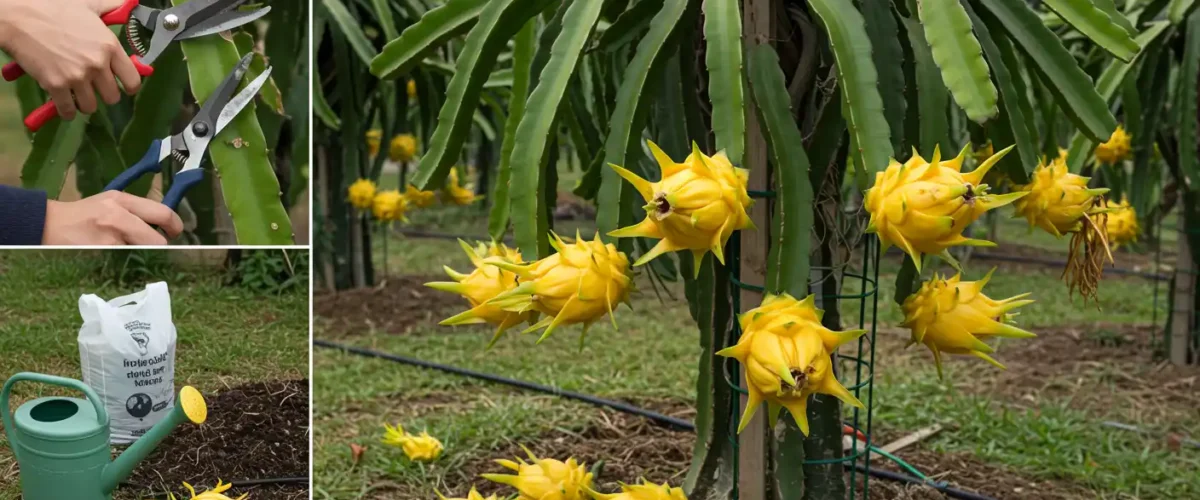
(855, 372)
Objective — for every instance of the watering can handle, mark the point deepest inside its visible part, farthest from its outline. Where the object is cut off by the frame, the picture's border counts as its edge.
(6, 411)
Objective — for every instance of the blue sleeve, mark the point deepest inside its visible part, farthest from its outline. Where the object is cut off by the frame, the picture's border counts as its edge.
(22, 216)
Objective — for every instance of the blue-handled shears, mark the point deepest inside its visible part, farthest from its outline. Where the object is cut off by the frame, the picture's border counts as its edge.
(189, 146)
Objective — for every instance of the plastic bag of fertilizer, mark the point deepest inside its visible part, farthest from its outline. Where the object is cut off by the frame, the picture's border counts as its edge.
(127, 351)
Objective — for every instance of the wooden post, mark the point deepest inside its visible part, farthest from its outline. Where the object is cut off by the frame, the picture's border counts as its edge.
(1183, 311)
(752, 443)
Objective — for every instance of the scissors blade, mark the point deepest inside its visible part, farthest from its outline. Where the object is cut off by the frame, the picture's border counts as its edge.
(222, 22)
(197, 12)
(235, 105)
(180, 18)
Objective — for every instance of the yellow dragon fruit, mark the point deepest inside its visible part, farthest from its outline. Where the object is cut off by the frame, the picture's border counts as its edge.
(483, 284)
(1122, 224)
(1115, 149)
(644, 491)
(545, 478)
(785, 353)
(402, 148)
(412, 89)
(1057, 200)
(361, 194)
(455, 194)
(374, 136)
(923, 207)
(472, 495)
(1060, 202)
(418, 198)
(697, 205)
(216, 493)
(580, 283)
(389, 206)
(418, 448)
(950, 315)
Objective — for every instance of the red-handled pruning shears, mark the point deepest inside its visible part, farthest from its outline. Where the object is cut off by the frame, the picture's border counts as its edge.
(188, 146)
(193, 19)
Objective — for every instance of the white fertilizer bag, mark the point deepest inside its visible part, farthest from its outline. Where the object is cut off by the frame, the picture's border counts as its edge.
(127, 351)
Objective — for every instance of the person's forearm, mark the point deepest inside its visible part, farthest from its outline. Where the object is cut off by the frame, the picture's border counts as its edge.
(22, 216)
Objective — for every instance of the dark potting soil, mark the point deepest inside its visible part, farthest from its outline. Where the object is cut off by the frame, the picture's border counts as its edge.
(254, 431)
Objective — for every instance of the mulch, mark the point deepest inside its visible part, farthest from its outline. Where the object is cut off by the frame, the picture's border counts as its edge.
(394, 306)
(253, 432)
(1049, 367)
(632, 448)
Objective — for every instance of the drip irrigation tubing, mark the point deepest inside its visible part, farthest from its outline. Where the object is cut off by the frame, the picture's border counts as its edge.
(414, 233)
(669, 421)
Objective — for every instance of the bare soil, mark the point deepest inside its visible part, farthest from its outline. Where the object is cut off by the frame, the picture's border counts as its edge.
(253, 432)
(394, 306)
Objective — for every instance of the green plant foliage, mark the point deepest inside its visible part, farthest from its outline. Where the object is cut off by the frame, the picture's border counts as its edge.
(239, 152)
(271, 271)
(522, 93)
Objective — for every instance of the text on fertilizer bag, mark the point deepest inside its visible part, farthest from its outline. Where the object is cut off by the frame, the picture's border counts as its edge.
(142, 378)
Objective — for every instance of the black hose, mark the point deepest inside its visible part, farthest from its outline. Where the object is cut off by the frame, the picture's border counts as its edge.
(669, 421)
(904, 478)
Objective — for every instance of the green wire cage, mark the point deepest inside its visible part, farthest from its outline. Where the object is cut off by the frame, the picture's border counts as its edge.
(856, 372)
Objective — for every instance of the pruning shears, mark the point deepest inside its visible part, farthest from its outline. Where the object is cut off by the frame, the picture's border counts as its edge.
(193, 19)
(189, 145)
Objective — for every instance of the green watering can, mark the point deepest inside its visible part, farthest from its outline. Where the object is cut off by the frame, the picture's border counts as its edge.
(61, 444)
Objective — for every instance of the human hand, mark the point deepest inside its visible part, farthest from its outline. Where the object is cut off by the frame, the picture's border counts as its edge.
(67, 48)
(101, 7)
(109, 218)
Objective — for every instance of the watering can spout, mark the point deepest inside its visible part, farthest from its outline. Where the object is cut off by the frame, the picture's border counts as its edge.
(189, 407)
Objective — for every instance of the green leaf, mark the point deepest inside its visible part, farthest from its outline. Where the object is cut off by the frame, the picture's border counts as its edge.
(1017, 166)
(1097, 26)
(958, 54)
(629, 116)
(383, 14)
(723, 57)
(1071, 87)
(1185, 100)
(155, 109)
(1110, 8)
(932, 97)
(530, 144)
(794, 193)
(54, 146)
(499, 21)
(863, 108)
(320, 105)
(239, 152)
(523, 48)
(429, 33)
(99, 159)
(889, 59)
(1110, 80)
(1177, 9)
(269, 94)
(351, 28)
(907, 280)
(630, 25)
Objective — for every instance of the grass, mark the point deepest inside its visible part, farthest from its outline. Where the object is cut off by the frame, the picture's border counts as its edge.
(227, 336)
(651, 361)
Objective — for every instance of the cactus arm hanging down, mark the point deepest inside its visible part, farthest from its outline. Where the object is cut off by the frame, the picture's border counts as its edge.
(239, 153)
